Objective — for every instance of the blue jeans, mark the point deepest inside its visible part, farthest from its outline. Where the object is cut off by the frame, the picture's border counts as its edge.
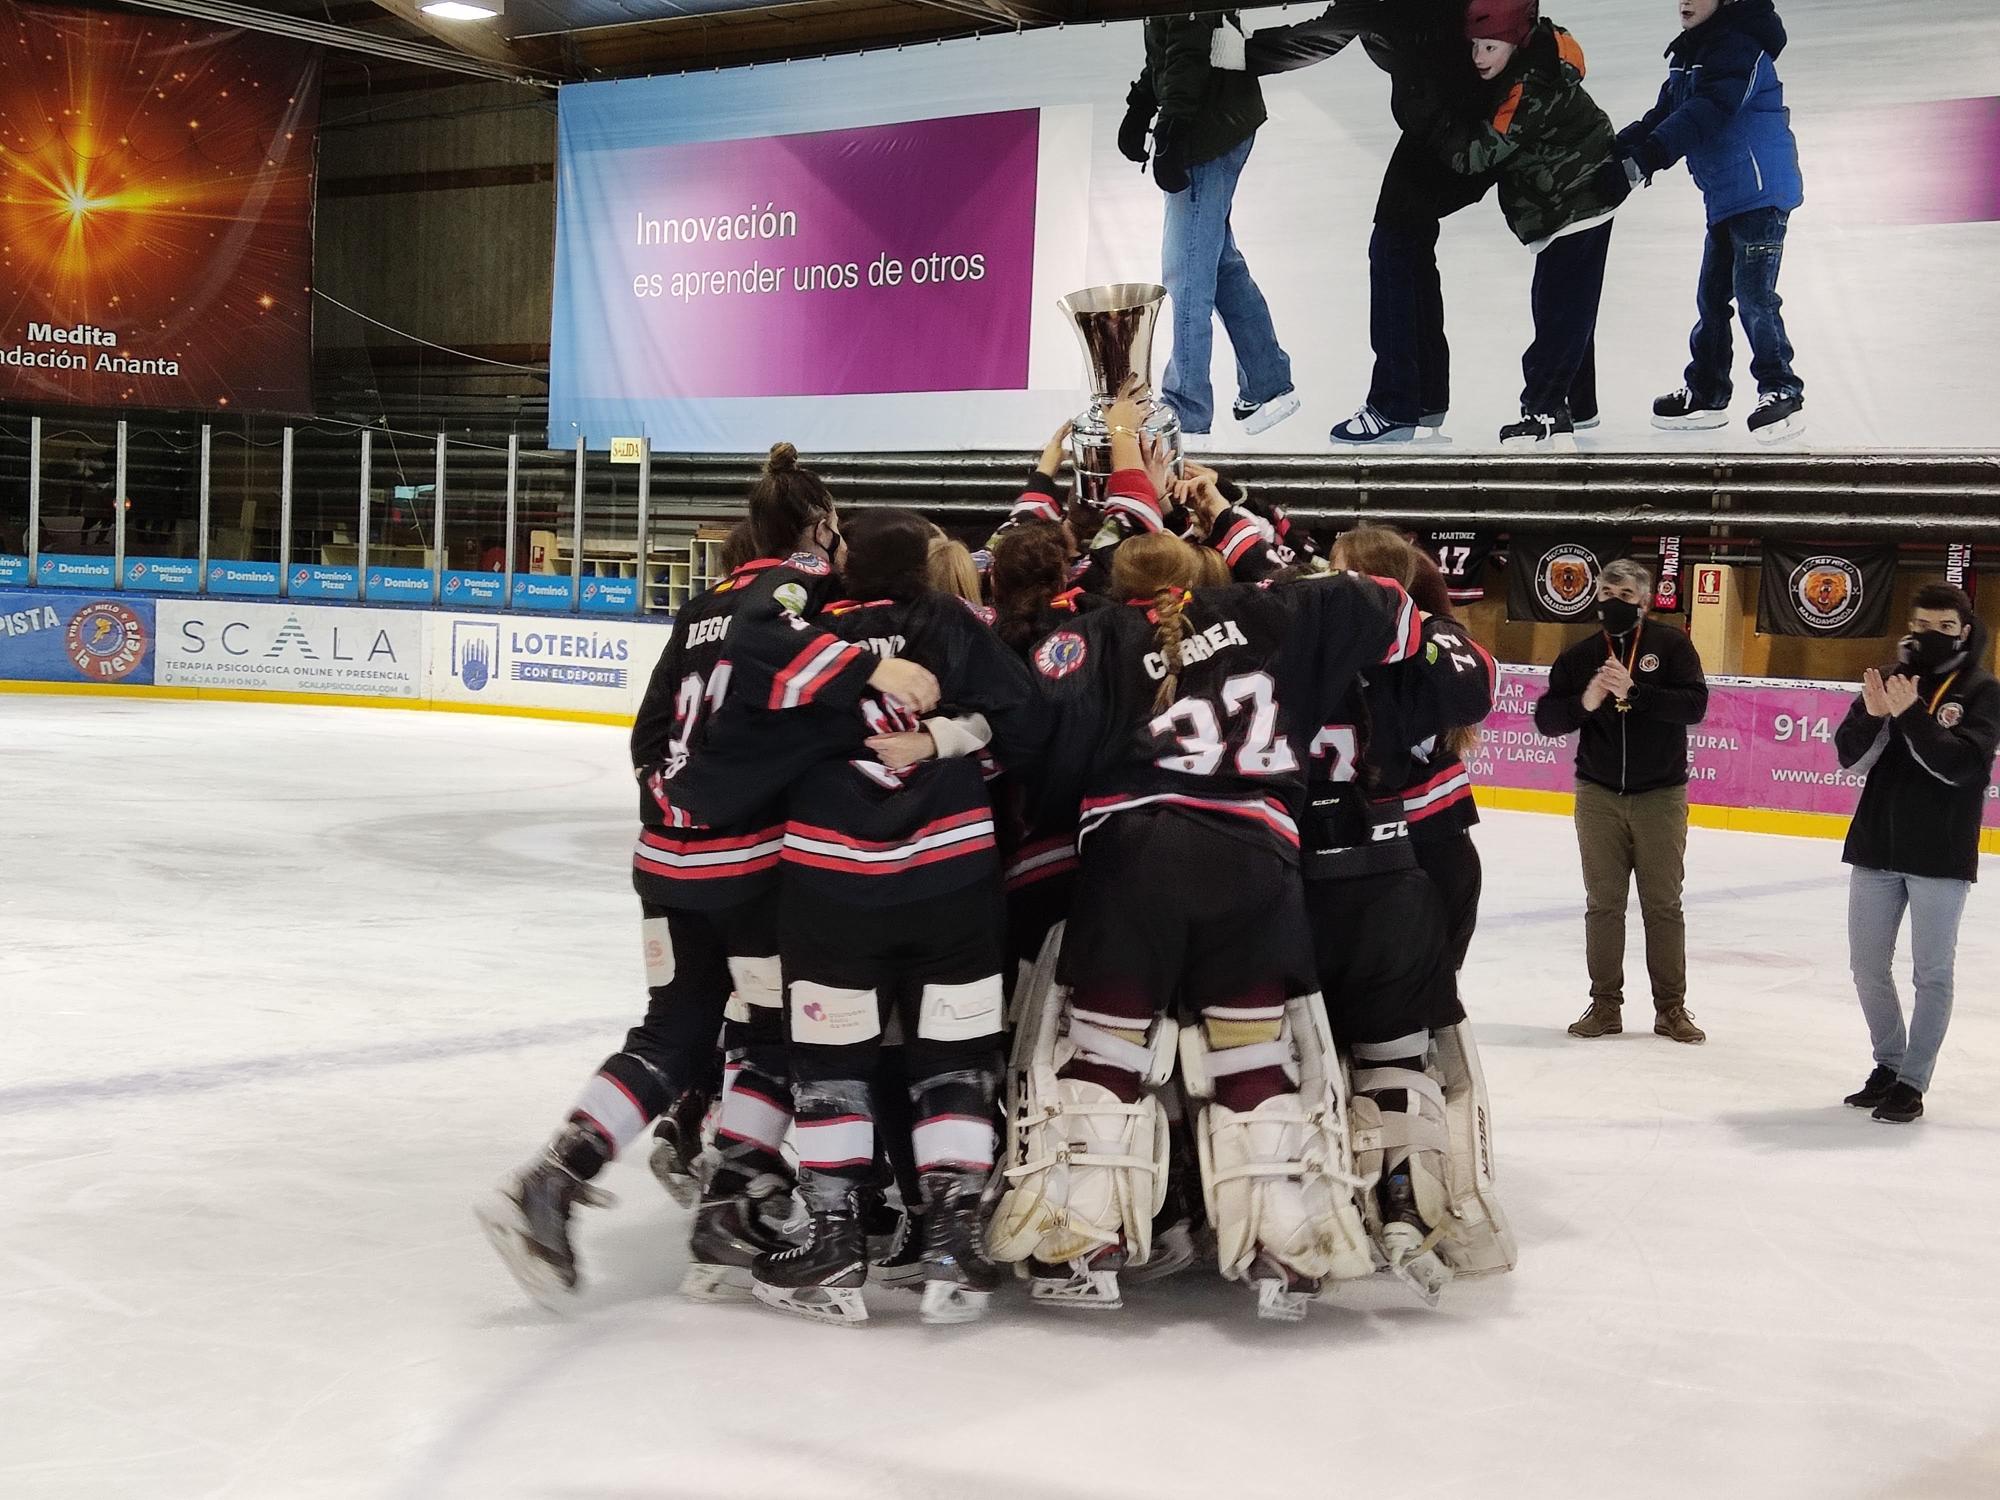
(1741, 260)
(1206, 275)
(1876, 900)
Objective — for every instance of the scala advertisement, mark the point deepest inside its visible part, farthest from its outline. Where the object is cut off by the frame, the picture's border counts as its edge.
(156, 195)
(864, 252)
(284, 649)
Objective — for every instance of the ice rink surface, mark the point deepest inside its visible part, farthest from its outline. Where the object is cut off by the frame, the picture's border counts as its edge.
(283, 989)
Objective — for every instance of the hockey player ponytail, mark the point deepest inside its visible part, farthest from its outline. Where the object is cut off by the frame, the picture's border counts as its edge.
(784, 502)
(1159, 568)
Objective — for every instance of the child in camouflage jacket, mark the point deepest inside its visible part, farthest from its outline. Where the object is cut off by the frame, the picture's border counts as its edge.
(1547, 140)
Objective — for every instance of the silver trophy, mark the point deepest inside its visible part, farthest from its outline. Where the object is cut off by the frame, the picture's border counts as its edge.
(1115, 326)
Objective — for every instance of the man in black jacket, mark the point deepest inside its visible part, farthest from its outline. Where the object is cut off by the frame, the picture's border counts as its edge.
(1923, 731)
(1632, 690)
(1207, 122)
(1435, 96)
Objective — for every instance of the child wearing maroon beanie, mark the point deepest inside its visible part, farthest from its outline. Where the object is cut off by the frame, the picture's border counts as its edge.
(1546, 139)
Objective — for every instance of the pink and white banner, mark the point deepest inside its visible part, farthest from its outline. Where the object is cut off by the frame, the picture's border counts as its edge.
(1764, 745)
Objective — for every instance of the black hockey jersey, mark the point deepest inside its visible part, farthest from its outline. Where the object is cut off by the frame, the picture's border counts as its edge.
(1462, 557)
(683, 859)
(1356, 820)
(853, 828)
(1259, 666)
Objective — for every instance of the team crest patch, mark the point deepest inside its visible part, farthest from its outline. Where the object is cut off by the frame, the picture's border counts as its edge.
(1649, 663)
(1828, 591)
(105, 642)
(1950, 714)
(791, 597)
(808, 562)
(1567, 580)
(1061, 654)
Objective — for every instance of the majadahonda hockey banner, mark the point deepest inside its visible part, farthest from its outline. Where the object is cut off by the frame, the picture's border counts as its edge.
(863, 253)
(156, 194)
(1552, 579)
(1825, 591)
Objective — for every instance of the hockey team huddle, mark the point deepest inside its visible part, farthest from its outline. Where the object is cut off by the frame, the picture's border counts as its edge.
(1096, 916)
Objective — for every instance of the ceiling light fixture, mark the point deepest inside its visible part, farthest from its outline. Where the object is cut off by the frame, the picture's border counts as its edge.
(464, 10)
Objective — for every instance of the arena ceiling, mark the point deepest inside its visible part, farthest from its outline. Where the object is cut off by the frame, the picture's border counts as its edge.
(555, 41)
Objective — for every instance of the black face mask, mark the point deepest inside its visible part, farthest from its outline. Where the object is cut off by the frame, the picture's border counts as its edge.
(1928, 650)
(1618, 615)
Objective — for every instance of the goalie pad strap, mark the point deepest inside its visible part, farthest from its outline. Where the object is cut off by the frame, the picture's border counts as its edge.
(1226, 1061)
(1102, 1046)
(1377, 1080)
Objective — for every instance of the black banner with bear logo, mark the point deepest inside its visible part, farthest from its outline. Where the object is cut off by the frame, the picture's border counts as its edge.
(1827, 591)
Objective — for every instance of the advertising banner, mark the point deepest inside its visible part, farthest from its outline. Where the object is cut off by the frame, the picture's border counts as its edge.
(13, 569)
(163, 575)
(402, 585)
(323, 581)
(591, 665)
(1553, 579)
(258, 579)
(1763, 745)
(728, 242)
(76, 638)
(542, 591)
(156, 193)
(474, 590)
(284, 648)
(610, 596)
(61, 570)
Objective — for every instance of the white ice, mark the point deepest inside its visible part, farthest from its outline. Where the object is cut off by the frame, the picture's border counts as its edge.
(284, 988)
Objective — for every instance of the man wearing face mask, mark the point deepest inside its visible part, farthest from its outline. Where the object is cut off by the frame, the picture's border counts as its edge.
(1630, 691)
(1923, 731)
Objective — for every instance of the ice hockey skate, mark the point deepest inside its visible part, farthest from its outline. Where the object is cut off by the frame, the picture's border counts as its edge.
(678, 1144)
(959, 1278)
(526, 1218)
(730, 1231)
(821, 1277)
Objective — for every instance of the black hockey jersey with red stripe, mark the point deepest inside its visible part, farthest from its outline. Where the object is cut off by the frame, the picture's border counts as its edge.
(1259, 668)
(1429, 784)
(853, 828)
(1361, 760)
(683, 859)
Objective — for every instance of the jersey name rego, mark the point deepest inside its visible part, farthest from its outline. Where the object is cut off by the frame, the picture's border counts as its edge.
(1222, 634)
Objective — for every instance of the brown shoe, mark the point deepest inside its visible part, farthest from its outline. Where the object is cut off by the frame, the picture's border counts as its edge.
(1602, 1019)
(1676, 1023)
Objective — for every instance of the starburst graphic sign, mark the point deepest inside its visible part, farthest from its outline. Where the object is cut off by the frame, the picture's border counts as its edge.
(156, 189)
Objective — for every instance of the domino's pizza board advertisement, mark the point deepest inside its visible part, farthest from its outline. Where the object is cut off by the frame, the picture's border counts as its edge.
(287, 648)
(47, 637)
(590, 666)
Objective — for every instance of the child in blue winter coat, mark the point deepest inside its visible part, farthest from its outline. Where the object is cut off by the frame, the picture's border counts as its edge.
(1723, 109)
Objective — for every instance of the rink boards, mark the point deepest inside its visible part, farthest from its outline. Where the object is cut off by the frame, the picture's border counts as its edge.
(1762, 762)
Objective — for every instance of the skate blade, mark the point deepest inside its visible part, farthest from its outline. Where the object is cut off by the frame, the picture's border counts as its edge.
(949, 1302)
(1779, 432)
(1705, 422)
(1173, 1252)
(841, 1305)
(1279, 1303)
(1424, 1276)
(1096, 1291)
(500, 1219)
(1562, 442)
(715, 1283)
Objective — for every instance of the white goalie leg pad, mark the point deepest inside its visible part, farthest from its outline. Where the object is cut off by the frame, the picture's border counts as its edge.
(1477, 1240)
(1280, 1180)
(1084, 1170)
(1415, 1136)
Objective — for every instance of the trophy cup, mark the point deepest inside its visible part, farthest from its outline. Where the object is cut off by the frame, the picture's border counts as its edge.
(1115, 326)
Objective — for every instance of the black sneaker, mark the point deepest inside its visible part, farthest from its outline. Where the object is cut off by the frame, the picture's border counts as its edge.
(1684, 411)
(1874, 1091)
(1901, 1105)
(1369, 426)
(1551, 431)
(1779, 415)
